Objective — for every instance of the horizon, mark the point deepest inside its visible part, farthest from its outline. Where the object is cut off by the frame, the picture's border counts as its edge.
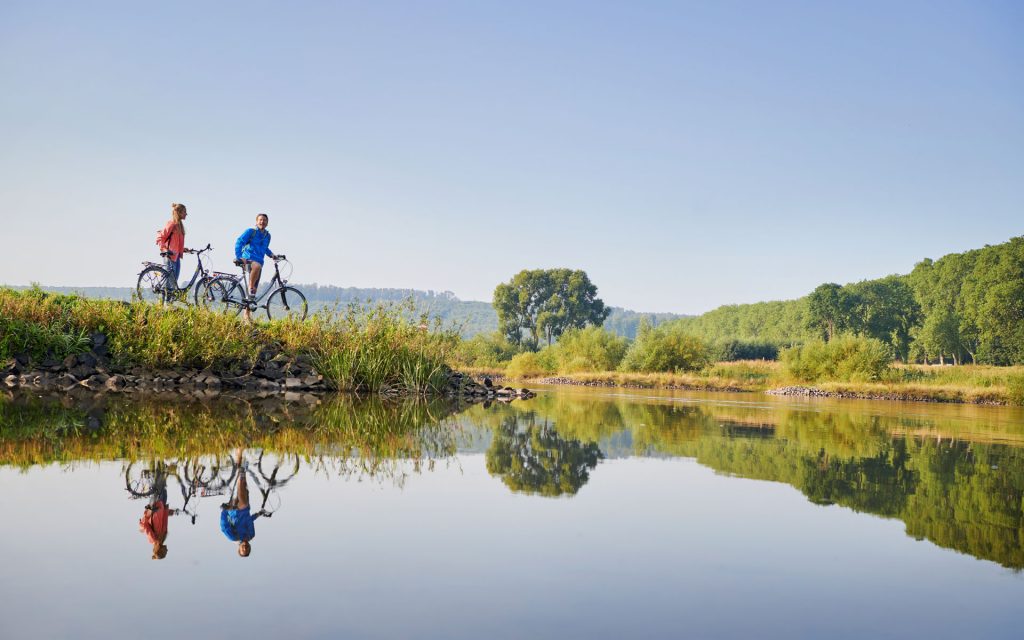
(186, 271)
(686, 156)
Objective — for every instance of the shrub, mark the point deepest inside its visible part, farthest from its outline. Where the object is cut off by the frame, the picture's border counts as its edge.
(589, 349)
(846, 358)
(665, 349)
(486, 350)
(1015, 386)
(531, 364)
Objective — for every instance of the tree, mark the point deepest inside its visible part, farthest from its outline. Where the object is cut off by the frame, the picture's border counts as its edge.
(544, 303)
(884, 309)
(828, 309)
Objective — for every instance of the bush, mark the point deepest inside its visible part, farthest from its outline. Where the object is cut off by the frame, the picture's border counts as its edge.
(846, 358)
(665, 349)
(486, 350)
(1015, 386)
(531, 364)
(589, 349)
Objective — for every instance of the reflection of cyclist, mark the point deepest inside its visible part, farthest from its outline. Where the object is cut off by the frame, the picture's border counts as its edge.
(171, 240)
(236, 520)
(154, 519)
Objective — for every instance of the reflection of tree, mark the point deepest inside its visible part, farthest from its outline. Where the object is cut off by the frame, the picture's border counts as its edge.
(879, 484)
(535, 459)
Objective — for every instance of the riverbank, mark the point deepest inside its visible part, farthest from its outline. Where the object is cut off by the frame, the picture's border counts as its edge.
(59, 342)
(966, 384)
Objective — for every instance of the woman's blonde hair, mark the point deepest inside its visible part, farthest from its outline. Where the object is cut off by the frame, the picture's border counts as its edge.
(177, 210)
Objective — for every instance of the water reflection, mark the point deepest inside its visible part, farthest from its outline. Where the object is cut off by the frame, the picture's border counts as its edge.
(957, 482)
(531, 457)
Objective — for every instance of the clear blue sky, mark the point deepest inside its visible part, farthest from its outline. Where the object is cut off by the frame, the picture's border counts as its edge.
(686, 155)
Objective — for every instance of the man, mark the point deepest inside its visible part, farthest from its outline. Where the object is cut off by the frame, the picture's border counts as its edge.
(236, 520)
(250, 249)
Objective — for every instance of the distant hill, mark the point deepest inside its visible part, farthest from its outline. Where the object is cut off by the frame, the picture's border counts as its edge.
(470, 316)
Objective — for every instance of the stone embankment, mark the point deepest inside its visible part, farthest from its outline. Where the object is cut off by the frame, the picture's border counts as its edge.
(814, 392)
(462, 386)
(273, 372)
(95, 371)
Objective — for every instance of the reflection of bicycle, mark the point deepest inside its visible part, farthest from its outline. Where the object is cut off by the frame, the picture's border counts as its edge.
(157, 284)
(141, 481)
(269, 476)
(229, 294)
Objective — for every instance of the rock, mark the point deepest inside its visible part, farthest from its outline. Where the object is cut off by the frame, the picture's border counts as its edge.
(82, 371)
(70, 362)
(293, 383)
(98, 339)
(115, 383)
(49, 363)
(94, 382)
(312, 380)
(87, 360)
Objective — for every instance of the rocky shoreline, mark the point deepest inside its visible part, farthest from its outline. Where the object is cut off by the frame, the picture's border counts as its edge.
(814, 392)
(273, 372)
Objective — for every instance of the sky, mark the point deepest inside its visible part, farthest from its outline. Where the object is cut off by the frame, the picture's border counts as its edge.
(684, 154)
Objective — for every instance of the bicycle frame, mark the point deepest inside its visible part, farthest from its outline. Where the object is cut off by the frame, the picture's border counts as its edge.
(270, 285)
(200, 269)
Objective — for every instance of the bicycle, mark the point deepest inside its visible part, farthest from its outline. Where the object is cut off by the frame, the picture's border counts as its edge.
(146, 482)
(229, 294)
(271, 476)
(154, 280)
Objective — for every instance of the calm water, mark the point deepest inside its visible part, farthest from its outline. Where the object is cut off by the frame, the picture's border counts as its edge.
(578, 514)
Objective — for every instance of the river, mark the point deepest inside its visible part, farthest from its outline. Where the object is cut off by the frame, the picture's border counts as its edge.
(581, 513)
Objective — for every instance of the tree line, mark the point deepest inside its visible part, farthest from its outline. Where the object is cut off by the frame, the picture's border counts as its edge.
(963, 307)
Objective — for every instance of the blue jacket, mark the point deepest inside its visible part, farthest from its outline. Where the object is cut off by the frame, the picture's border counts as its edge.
(237, 524)
(253, 245)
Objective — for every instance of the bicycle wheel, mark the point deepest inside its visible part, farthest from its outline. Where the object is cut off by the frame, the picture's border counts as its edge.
(286, 303)
(139, 481)
(152, 285)
(224, 295)
(200, 292)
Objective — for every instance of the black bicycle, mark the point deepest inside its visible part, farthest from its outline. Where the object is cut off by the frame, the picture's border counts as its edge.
(229, 294)
(156, 284)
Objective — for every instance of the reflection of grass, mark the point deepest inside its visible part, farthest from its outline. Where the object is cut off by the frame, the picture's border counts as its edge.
(371, 431)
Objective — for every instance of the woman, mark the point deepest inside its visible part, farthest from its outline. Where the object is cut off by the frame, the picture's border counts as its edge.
(171, 240)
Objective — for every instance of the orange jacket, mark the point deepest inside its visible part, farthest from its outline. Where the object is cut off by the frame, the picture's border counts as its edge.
(172, 239)
(154, 522)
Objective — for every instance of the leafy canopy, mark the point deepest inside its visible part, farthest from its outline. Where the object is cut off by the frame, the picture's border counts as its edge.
(543, 303)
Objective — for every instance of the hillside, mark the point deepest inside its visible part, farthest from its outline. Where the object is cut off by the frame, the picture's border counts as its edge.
(470, 316)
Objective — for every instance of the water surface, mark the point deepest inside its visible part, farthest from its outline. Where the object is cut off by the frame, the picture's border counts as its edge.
(577, 514)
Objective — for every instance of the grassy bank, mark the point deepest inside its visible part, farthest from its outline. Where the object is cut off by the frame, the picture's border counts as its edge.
(355, 348)
(972, 384)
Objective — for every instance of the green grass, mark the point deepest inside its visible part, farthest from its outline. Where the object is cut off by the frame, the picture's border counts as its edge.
(359, 348)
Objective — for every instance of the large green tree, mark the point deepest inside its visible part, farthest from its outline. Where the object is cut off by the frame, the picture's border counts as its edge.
(828, 309)
(542, 303)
